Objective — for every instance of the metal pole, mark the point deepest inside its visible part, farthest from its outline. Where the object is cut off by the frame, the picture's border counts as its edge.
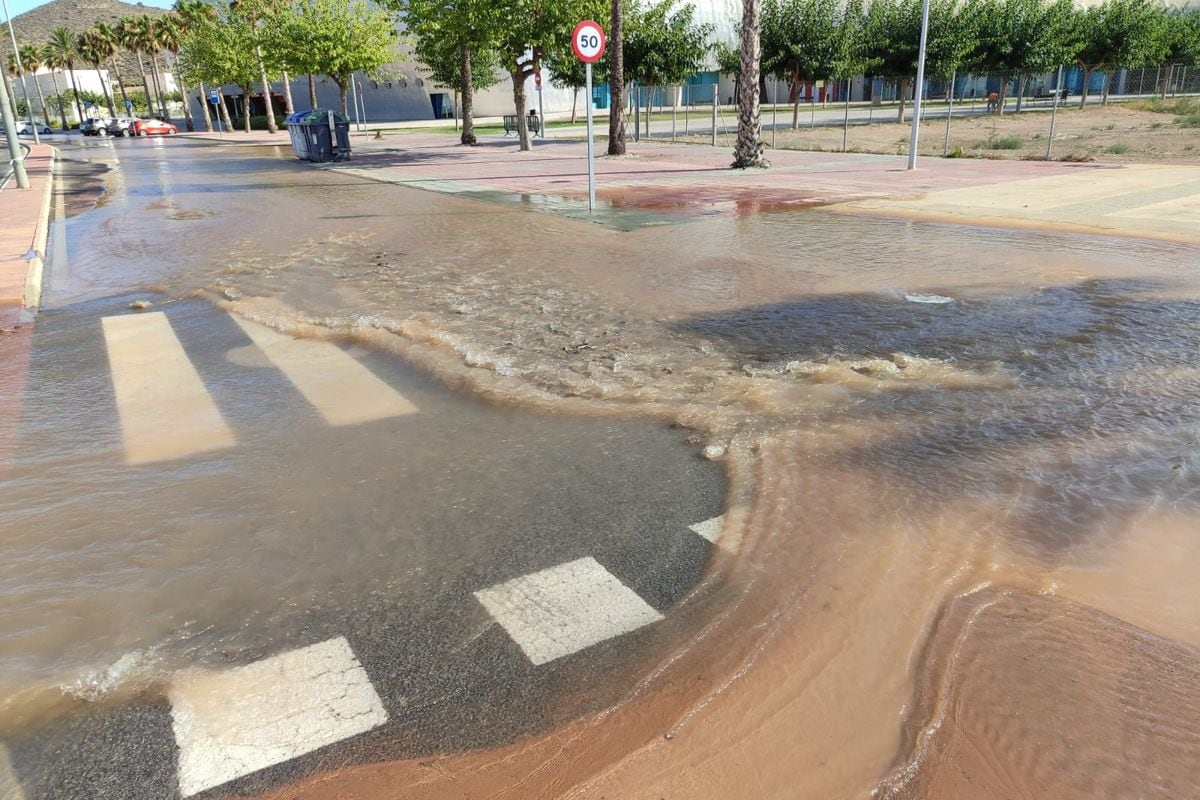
(354, 100)
(590, 148)
(674, 111)
(716, 88)
(687, 109)
(916, 123)
(637, 111)
(363, 102)
(846, 120)
(949, 114)
(14, 147)
(774, 112)
(21, 71)
(1054, 111)
(541, 112)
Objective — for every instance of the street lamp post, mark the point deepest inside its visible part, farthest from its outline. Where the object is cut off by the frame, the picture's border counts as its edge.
(916, 122)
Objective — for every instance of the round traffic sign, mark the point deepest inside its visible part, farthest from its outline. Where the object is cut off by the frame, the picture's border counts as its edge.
(588, 41)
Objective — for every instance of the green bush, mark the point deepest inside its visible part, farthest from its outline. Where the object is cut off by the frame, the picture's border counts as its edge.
(1006, 143)
(1183, 106)
(1117, 149)
(957, 152)
(256, 123)
(1190, 121)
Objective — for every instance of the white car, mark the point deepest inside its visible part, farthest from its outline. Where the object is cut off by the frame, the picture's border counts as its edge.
(24, 129)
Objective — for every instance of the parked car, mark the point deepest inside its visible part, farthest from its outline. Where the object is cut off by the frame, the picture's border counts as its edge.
(25, 129)
(121, 126)
(153, 127)
(93, 126)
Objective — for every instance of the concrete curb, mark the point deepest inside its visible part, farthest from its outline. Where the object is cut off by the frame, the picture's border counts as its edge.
(32, 299)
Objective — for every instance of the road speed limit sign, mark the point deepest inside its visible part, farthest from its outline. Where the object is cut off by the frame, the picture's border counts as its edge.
(588, 41)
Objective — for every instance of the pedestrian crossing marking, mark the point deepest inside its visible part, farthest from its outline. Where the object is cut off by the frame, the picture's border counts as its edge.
(710, 528)
(10, 786)
(343, 390)
(564, 609)
(233, 723)
(165, 410)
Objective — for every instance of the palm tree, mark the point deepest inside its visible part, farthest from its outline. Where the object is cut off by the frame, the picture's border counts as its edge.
(12, 69)
(93, 49)
(249, 13)
(112, 47)
(148, 36)
(31, 60)
(749, 149)
(129, 37)
(616, 72)
(50, 59)
(170, 34)
(65, 47)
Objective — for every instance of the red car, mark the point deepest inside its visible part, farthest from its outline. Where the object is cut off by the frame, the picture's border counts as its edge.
(153, 127)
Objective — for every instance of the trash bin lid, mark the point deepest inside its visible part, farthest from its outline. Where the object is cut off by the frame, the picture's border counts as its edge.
(318, 116)
(295, 118)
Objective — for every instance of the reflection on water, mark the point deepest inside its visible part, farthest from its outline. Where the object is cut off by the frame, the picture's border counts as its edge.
(888, 457)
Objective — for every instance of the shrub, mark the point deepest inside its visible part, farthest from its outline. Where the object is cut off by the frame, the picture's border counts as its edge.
(1190, 121)
(1117, 149)
(957, 152)
(1006, 143)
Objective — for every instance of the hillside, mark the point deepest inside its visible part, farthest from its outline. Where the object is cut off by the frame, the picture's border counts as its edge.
(36, 24)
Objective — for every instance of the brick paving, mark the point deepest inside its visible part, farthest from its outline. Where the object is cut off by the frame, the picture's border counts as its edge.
(22, 233)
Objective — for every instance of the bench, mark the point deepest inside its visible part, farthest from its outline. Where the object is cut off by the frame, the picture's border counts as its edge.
(534, 123)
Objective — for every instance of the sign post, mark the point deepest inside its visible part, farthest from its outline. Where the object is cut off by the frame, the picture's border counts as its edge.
(588, 43)
(216, 101)
(537, 80)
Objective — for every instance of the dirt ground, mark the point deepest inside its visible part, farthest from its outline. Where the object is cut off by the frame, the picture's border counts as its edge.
(1116, 134)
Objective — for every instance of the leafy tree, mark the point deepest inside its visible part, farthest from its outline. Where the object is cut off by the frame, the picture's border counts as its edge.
(342, 37)
(1118, 34)
(664, 46)
(455, 39)
(221, 52)
(193, 14)
(748, 152)
(527, 31)
(568, 72)
(1022, 37)
(807, 40)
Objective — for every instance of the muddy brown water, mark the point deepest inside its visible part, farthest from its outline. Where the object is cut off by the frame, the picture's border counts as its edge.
(962, 548)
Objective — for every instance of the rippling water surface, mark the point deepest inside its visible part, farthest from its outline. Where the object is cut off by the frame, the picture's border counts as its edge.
(903, 473)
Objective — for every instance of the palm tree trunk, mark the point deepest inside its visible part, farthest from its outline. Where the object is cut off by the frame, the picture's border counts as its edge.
(288, 105)
(112, 62)
(748, 152)
(266, 89)
(467, 136)
(616, 72)
(75, 86)
(158, 84)
(204, 108)
(312, 91)
(145, 83)
(62, 107)
(42, 101)
(108, 98)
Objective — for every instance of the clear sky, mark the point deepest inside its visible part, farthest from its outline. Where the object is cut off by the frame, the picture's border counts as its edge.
(16, 7)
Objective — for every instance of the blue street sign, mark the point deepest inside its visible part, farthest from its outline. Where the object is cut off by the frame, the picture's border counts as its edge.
(212, 96)
(128, 105)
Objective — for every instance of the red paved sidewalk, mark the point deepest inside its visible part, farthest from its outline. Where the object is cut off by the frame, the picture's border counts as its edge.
(24, 226)
(24, 220)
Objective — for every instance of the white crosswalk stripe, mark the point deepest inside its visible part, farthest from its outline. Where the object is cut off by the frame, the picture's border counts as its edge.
(564, 609)
(229, 724)
(710, 528)
(166, 412)
(339, 387)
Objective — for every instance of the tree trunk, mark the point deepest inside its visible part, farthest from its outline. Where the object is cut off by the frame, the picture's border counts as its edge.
(1083, 94)
(467, 136)
(518, 79)
(204, 108)
(1104, 94)
(266, 88)
(112, 62)
(62, 107)
(75, 86)
(616, 72)
(158, 84)
(312, 91)
(903, 93)
(223, 106)
(42, 101)
(749, 149)
(145, 83)
(795, 93)
(288, 105)
(1022, 79)
(1003, 96)
(343, 89)
(649, 108)
(108, 99)
(574, 102)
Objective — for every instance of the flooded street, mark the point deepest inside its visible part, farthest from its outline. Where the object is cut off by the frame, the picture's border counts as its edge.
(957, 468)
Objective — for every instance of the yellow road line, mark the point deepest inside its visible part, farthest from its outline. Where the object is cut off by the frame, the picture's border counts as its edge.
(339, 387)
(166, 411)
